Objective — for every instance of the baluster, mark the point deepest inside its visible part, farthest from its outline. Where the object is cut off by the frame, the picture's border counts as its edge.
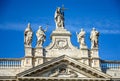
(4, 64)
(13, 63)
(118, 66)
(19, 63)
(0, 63)
(115, 66)
(111, 66)
(16, 63)
(8, 63)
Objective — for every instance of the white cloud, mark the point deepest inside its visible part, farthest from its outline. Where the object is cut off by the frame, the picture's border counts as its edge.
(22, 26)
(110, 31)
(105, 28)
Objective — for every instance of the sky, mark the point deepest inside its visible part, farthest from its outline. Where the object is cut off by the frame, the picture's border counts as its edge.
(104, 15)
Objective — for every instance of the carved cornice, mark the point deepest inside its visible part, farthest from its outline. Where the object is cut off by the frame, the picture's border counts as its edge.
(64, 79)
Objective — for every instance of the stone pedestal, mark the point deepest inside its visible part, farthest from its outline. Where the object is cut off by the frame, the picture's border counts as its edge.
(95, 61)
(84, 55)
(28, 51)
(38, 52)
(38, 56)
(28, 57)
(28, 62)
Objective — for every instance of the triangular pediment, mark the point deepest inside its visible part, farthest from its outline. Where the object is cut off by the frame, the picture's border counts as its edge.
(63, 66)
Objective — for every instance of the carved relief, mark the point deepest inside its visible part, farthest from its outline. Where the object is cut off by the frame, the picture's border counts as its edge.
(63, 72)
(61, 44)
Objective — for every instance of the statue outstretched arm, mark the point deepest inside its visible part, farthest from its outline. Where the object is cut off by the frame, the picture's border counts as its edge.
(46, 29)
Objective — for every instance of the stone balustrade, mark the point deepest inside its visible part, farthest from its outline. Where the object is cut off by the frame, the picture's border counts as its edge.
(110, 65)
(10, 63)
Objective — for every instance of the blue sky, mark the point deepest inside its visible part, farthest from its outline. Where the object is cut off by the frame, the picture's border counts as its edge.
(104, 15)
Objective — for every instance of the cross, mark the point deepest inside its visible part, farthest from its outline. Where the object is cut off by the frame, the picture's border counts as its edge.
(63, 9)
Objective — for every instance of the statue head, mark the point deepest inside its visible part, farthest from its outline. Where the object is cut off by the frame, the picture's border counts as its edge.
(82, 29)
(28, 28)
(58, 9)
(40, 27)
(93, 28)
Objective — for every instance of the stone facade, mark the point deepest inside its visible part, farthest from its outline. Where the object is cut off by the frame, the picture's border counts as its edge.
(60, 60)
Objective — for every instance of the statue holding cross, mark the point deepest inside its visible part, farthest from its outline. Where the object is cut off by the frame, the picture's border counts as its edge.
(59, 17)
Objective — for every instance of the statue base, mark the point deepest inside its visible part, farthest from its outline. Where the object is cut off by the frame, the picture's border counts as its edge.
(28, 51)
(38, 56)
(38, 52)
(83, 47)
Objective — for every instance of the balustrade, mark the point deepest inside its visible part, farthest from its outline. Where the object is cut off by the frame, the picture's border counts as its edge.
(10, 63)
(111, 65)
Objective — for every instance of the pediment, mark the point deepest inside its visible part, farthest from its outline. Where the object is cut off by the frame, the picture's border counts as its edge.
(59, 70)
(63, 66)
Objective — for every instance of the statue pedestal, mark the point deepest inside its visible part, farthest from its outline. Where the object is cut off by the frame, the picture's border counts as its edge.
(94, 53)
(83, 47)
(84, 55)
(28, 51)
(95, 61)
(28, 57)
(38, 52)
(38, 56)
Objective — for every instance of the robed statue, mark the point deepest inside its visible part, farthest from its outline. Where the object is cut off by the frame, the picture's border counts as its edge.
(81, 38)
(41, 37)
(94, 38)
(59, 18)
(28, 36)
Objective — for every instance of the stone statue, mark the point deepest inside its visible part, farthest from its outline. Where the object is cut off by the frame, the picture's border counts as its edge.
(40, 36)
(94, 38)
(81, 38)
(59, 18)
(28, 36)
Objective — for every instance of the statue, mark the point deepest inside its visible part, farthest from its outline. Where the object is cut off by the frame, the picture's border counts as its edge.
(28, 36)
(94, 38)
(81, 38)
(40, 36)
(59, 18)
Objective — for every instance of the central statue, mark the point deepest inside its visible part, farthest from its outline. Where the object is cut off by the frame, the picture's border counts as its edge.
(59, 18)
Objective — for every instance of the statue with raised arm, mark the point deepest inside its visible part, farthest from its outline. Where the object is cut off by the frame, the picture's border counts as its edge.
(59, 18)
(40, 36)
(81, 38)
(28, 36)
(94, 38)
